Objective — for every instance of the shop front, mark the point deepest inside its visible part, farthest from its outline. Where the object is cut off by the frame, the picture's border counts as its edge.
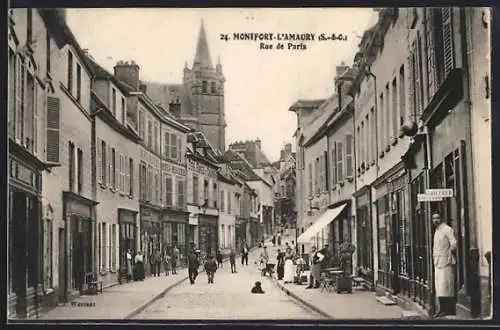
(175, 231)
(193, 230)
(208, 233)
(128, 237)
(364, 235)
(341, 227)
(79, 246)
(24, 237)
(151, 232)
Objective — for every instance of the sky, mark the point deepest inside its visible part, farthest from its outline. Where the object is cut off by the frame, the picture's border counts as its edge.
(261, 84)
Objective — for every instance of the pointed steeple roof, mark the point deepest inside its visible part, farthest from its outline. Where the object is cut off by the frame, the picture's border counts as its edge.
(202, 57)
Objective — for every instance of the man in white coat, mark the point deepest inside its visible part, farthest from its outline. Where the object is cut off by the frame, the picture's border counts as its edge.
(444, 248)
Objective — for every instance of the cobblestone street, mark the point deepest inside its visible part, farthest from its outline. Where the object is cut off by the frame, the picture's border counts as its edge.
(229, 298)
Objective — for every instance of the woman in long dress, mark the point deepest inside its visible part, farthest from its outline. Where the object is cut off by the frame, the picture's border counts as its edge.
(289, 267)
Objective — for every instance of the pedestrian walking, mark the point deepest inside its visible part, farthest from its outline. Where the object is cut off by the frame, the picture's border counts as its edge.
(316, 260)
(156, 262)
(244, 254)
(289, 272)
(193, 265)
(219, 259)
(210, 268)
(232, 261)
(175, 260)
(273, 240)
(279, 239)
(139, 266)
(280, 269)
(444, 248)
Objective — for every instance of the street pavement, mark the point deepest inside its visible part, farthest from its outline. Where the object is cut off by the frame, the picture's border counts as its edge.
(229, 298)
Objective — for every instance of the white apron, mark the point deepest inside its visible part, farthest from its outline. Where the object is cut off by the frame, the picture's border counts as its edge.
(444, 261)
(289, 271)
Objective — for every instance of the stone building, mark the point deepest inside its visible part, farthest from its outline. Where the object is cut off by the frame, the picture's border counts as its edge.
(228, 211)
(199, 100)
(116, 145)
(203, 193)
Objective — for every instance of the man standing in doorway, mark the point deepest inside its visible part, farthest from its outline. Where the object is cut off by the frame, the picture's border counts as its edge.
(444, 248)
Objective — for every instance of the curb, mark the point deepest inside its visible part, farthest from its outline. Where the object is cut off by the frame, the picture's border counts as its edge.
(302, 301)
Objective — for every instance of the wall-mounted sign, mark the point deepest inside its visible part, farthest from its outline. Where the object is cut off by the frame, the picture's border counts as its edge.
(201, 169)
(442, 193)
(174, 169)
(428, 198)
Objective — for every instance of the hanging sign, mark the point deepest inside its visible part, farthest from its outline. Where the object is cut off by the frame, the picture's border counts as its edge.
(428, 198)
(443, 193)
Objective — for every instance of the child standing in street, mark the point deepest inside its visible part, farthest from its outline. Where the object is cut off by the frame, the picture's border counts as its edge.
(210, 268)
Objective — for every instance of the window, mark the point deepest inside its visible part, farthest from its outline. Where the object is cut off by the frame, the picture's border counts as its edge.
(113, 168)
(310, 180)
(19, 112)
(157, 186)
(150, 183)
(70, 72)
(142, 123)
(103, 163)
(104, 245)
(12, 93)
(47, 50)
(229, 198)
(142, 181)
(223, 236)
(173, 146)
(340, 166)
(167, 145)
(205, 191)
(362, 146)
(430, 30)
(131, 176)
(334, 165)
(79, 161)
(395, 110)
(447, 40)
(168, 188)
(53, 129)
(213, 87)
(29, 141)
(387, 117)
(180, 192)
(373, 142)
(204, 87)
(196, 197)
(402, 95)
(418, 77)
(78, 82)
(156, 138)
(113, 101)
(316, 176)
(126, 175)
(29, 23)
(179, 148)
(348, 156)
(222, 204)
(215, 194)
(150, 133)
(124, 111)
(71, 162)
(113, 247)
(110, 247)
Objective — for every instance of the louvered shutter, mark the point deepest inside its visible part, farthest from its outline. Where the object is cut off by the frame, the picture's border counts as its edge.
(418, 76)
(167, 145)
(116, 173)
(334, 164)
(348, 156)
(411, 83)
(53, 129)
(173, 146)
(448, 49)
(325, 167)
(179, 148)
(431, 67)
(340, 162)
(20, 87)
(108, 168)
(98, 156)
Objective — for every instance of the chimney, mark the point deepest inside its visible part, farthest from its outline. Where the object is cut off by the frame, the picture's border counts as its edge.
(257, 143)
(128, 73)
(282, 154)
(175, 108)
(288, 149)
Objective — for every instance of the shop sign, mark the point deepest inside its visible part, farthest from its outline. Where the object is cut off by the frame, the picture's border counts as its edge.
(193, 220)
(442, 193)
(201, 169)
(177, 170)
(428, 198)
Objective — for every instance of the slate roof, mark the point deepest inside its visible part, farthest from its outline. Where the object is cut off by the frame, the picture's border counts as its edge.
(239, 163)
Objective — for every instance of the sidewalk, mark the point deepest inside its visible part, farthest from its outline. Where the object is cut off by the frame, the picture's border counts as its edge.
(120, 301)
(359, 304)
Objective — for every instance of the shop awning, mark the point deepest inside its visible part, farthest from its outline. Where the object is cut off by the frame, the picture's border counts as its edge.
(321, 223)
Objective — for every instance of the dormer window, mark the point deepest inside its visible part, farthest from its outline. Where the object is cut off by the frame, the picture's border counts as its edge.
(204, 87)
(213, 87)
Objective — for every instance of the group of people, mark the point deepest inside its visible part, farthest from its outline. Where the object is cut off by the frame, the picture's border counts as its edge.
(210, 265)
(135, 263)
(286, 264)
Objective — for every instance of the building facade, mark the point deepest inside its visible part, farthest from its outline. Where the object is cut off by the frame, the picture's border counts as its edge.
(228, 210)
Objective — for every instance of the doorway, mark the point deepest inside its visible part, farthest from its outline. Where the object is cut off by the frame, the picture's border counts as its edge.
(62, 266)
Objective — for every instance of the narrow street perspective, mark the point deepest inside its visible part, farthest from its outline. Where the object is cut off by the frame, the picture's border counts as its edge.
(228, 298)
(249, 164)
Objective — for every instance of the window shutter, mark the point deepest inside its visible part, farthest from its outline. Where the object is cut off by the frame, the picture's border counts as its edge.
(411, 83)
(173, 148)
(325, 169)
(448, 49)
(348, 156)
(310, 180)
(334, 164)
(98, 156)
(53, 129)
(167, 144)
(418, 76)
(179, 148)
(340, 162)
(115, 171)
(108, 167)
